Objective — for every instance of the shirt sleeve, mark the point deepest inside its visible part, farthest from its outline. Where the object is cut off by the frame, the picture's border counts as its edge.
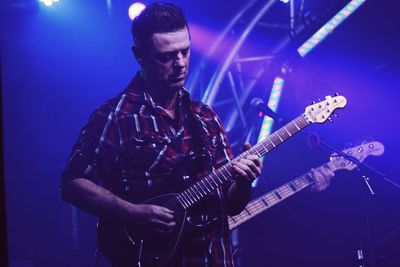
(96, 150)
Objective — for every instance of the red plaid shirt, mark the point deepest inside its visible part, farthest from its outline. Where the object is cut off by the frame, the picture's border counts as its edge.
(130, 144)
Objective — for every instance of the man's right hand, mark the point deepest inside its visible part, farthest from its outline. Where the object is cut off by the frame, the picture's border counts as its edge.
(101, 202)
(155, 218)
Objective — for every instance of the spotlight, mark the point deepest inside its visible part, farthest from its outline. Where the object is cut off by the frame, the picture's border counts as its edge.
(48, 2)
(135, 9)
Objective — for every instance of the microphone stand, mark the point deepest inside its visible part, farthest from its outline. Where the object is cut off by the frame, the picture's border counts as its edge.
(365, 170)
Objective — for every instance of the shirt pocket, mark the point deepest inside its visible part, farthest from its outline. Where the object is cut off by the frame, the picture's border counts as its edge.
(141, 151)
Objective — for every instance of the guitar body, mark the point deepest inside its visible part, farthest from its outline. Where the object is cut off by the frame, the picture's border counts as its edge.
(135, 245)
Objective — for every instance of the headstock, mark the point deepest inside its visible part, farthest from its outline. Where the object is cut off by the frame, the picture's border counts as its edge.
(359, 152)
(321, 111)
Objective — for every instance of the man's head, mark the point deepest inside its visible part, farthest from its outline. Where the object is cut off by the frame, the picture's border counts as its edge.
(162, 45)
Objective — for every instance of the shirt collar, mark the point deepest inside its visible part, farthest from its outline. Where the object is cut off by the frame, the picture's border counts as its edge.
(137, 92)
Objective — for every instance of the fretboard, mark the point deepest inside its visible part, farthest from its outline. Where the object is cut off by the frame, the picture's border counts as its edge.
(274, 197)
(211, 182)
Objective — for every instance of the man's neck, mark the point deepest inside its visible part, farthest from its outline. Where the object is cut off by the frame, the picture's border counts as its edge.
(165, 99)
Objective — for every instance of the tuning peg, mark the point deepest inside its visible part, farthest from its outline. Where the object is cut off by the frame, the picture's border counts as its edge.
(336, 115)
(330, 119)
(312, 102)
(336, 94)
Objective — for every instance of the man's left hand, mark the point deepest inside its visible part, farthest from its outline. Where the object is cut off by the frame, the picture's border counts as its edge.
(249, 167)
(322, 178)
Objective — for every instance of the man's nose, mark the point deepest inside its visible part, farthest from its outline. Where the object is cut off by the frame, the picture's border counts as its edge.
(179, 60)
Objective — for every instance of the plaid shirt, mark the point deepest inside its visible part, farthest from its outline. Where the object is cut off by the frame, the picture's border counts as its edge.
(130, 145)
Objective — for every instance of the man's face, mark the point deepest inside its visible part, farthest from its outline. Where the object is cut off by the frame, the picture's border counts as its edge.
(166, 62)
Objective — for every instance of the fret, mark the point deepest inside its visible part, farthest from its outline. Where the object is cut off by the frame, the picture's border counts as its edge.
(294, 122)
(197, 192)
(265, 202)
(277, 133)
(217, 178)
(181, 201)
(275, 139)
(248, 212)
(193, 191)
(201, 192)
(293, 186)
(262, 144)
(206, 179)
(284, 127)
(226, 169)
(271, 141)
(184, 199)
(190, 194)
(205, 186)
(277, 194)
(215, 183)
(220, 171)
(284, 191)
(272, 198)
(188, 198)
(202, 187)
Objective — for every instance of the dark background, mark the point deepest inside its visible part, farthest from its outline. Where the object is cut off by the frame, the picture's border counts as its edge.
(59, 63)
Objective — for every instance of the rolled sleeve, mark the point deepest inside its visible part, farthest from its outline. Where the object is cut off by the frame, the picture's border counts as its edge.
(96, 151)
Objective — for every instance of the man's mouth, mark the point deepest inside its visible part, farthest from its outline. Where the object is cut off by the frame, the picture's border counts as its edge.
(179, 77)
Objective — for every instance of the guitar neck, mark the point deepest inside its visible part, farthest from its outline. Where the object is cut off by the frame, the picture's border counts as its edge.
(211, 182)
(274, 197)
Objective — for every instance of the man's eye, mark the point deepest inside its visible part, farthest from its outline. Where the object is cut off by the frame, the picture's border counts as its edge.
(185, 52)
(164, 57)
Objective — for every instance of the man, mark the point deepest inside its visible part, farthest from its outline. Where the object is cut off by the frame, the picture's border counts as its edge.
(133, 144)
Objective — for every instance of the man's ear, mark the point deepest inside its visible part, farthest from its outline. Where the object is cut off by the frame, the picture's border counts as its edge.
(138, 53)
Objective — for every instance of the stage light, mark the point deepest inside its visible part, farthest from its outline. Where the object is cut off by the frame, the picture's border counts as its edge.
(273, 103)
(135, 9)
(305, 48)
(48, 2)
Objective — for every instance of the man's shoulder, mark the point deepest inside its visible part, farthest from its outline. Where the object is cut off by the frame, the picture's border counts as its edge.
(119, 105)
(201, 108)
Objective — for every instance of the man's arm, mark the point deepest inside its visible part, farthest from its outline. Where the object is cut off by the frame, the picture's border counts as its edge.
(99, 201)
(239, 192)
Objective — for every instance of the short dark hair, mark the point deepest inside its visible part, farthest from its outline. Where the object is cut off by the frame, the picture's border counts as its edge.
(157, 17)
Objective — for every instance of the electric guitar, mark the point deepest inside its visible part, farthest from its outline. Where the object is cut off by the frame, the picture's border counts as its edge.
(144, 249)
(283, 192)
